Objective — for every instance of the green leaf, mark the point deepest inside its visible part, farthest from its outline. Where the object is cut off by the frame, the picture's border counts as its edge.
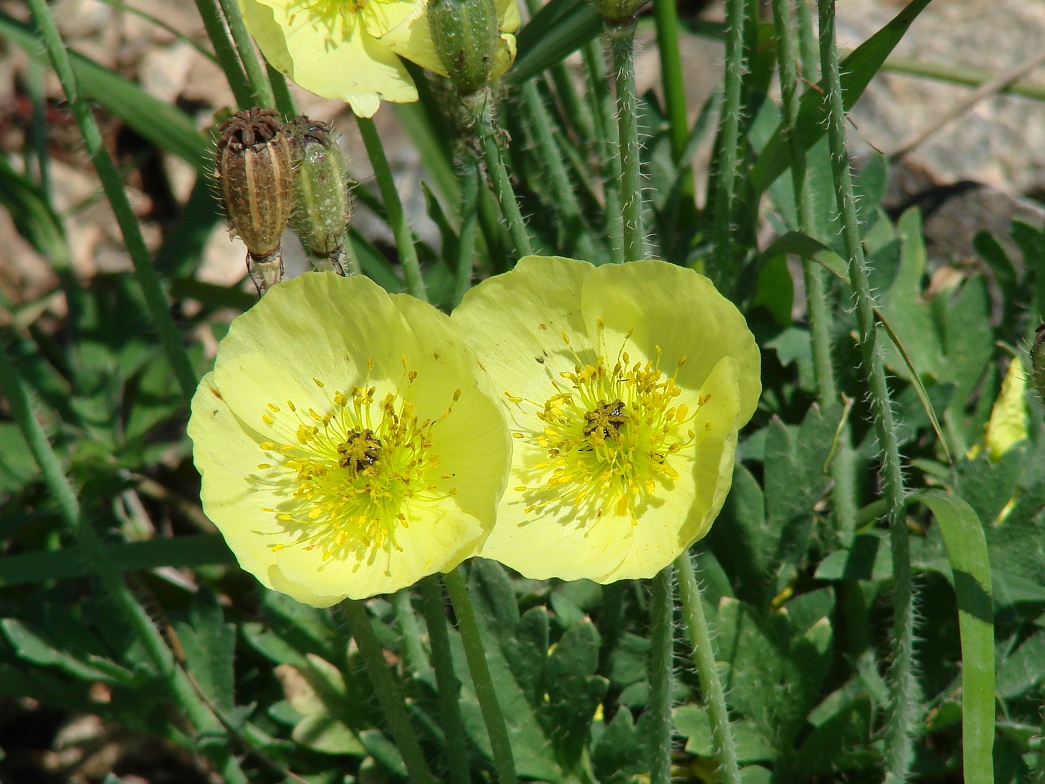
(775, 289)
(67, 652)
(18, 466)
(694, 724)
(809, 248)
(32, 215)
(773, 678)
(620, 754)
(1021, 671)
(796, 462)
(560, 28)
(970, 566)
(857, 70)
(318, 693)
(741, 540)
(384, 751)
(168, 128)
(514, 656)
(574, 690)
(179, 552)
(209, 645)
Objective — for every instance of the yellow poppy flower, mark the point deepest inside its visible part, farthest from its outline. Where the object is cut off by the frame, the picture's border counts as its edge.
(331, 49)
(624, 386)
(347, 442)
(413, 40)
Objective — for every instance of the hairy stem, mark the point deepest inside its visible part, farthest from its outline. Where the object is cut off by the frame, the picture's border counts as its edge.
(446, 680)
(900, 730)
(703, 656)
(722, 268)
(481, 678)
(661, 676)
(621, 41)
(393, 706)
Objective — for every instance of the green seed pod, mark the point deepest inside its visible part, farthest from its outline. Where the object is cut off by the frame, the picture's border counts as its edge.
(1037, 361)
(465, 36)
(254, 171)
(323, 202)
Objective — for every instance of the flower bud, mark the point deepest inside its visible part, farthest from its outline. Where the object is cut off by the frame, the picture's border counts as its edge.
(323, 204)
(465, 35)
(255, 159)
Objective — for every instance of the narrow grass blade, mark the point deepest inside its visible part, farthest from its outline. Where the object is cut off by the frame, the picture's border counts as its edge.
(970, 565)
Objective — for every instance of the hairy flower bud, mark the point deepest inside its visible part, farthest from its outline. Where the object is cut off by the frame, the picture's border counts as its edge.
(254, 171)
(323, 203)
(465, 35)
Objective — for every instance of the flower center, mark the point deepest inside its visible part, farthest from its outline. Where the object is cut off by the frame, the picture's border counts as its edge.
(606, 439)
(351, 476)
(359, 451)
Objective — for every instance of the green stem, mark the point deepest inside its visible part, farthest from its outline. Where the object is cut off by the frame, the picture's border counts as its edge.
(446, 679)
(144, 271)
(551, 157)
(393, 706)
(281, 92)
(704, 660)
(404, 237)
(1039, 772)
(666, 14)
(807, 53)
(493, 155)
(661, 676)
(152, 642)
(721, 270)
(481, 678)
(571, 102)
(903, 688)
(606, 146)
(469, 230)
(225, 52)
(256, 76)
(621, 41)
(820, 321)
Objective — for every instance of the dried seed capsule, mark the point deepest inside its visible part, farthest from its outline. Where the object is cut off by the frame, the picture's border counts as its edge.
(465, 35)
(254, 171)
(323, 202)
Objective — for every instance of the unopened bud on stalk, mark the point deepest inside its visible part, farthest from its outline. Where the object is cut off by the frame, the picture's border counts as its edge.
(255, 161)
(465, 35)
(323, 203)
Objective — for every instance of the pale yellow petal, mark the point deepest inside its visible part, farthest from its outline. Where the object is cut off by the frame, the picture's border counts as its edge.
(516, 324)
(625, 387)
(283, 367)
(329, 54)
(508, 16)
(413, 40)
(680, 311)
(684, 512)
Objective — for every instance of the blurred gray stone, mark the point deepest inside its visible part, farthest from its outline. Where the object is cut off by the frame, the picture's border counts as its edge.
(999, 142)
